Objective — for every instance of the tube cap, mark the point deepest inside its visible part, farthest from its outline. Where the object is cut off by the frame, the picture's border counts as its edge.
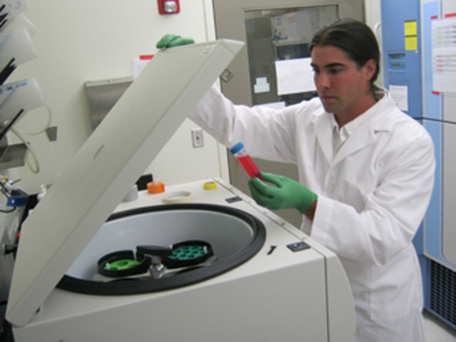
(210, 185)
(155, 188)
(236, 148)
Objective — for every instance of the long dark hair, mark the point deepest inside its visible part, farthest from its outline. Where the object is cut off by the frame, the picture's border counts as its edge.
(355, 38)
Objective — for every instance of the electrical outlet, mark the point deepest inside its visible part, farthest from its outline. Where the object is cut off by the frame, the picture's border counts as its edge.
(197, 137)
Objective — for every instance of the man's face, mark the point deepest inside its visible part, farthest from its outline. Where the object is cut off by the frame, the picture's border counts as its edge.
(343, 87)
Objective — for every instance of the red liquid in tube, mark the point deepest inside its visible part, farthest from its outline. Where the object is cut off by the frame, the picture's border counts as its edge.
(246, 161)
(249, 166)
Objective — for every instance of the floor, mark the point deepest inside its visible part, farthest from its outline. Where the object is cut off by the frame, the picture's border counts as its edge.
(436, 331)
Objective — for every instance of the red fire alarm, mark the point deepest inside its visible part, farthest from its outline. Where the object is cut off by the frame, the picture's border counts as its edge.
(168, 6)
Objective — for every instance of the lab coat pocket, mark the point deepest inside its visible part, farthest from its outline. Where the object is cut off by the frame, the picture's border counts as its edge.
(396, 286)
(353, 196)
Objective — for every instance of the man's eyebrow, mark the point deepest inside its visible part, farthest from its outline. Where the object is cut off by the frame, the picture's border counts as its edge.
(328, 66)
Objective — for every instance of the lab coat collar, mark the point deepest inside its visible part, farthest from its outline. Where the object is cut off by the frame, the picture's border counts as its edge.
(364, 135)
(323, 131)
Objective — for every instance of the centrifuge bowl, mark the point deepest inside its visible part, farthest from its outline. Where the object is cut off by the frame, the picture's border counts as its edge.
(235, 237)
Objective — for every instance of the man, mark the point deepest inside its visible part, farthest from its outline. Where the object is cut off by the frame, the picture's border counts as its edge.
(366, 173)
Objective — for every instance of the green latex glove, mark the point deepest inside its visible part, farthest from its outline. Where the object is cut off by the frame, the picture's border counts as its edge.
(286, 194)
(172, 40)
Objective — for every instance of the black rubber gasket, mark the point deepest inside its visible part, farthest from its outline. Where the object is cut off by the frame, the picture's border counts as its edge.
(150, 285)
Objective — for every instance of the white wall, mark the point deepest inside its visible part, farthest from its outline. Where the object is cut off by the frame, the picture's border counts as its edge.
(87, 40)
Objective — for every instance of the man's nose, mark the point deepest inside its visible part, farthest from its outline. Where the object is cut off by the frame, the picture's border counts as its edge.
(322, 81)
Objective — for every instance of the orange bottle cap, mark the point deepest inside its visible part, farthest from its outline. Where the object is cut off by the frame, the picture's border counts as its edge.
(155, 187)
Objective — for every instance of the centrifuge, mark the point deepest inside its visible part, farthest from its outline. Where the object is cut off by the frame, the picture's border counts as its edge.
(199, 261)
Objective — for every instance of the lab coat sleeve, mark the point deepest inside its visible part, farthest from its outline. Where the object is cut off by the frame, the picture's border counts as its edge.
(266, 133)
(392, 213)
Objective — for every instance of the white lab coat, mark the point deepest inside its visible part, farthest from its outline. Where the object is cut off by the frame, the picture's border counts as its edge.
(372, 197)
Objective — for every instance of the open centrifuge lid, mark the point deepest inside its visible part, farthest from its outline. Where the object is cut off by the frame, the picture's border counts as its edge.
(107, 165)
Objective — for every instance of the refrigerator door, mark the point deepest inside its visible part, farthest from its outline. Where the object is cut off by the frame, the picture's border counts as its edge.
(449, 182)
(107, 165)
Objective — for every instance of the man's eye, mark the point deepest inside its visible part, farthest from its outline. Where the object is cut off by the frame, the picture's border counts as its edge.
(335, 71)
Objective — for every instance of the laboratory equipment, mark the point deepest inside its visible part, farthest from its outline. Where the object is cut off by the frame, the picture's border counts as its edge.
(248, 290)
(20, 95)
(245, 160)
(16, 45)
(10, 9)
(263, 282)
(12, 208)
(413, 50)
(16, 98)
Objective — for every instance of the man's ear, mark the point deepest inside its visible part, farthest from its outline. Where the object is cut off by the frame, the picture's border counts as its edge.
(370, 68)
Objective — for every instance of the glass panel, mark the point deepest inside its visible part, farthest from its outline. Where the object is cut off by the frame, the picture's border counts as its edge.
(281, 34)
